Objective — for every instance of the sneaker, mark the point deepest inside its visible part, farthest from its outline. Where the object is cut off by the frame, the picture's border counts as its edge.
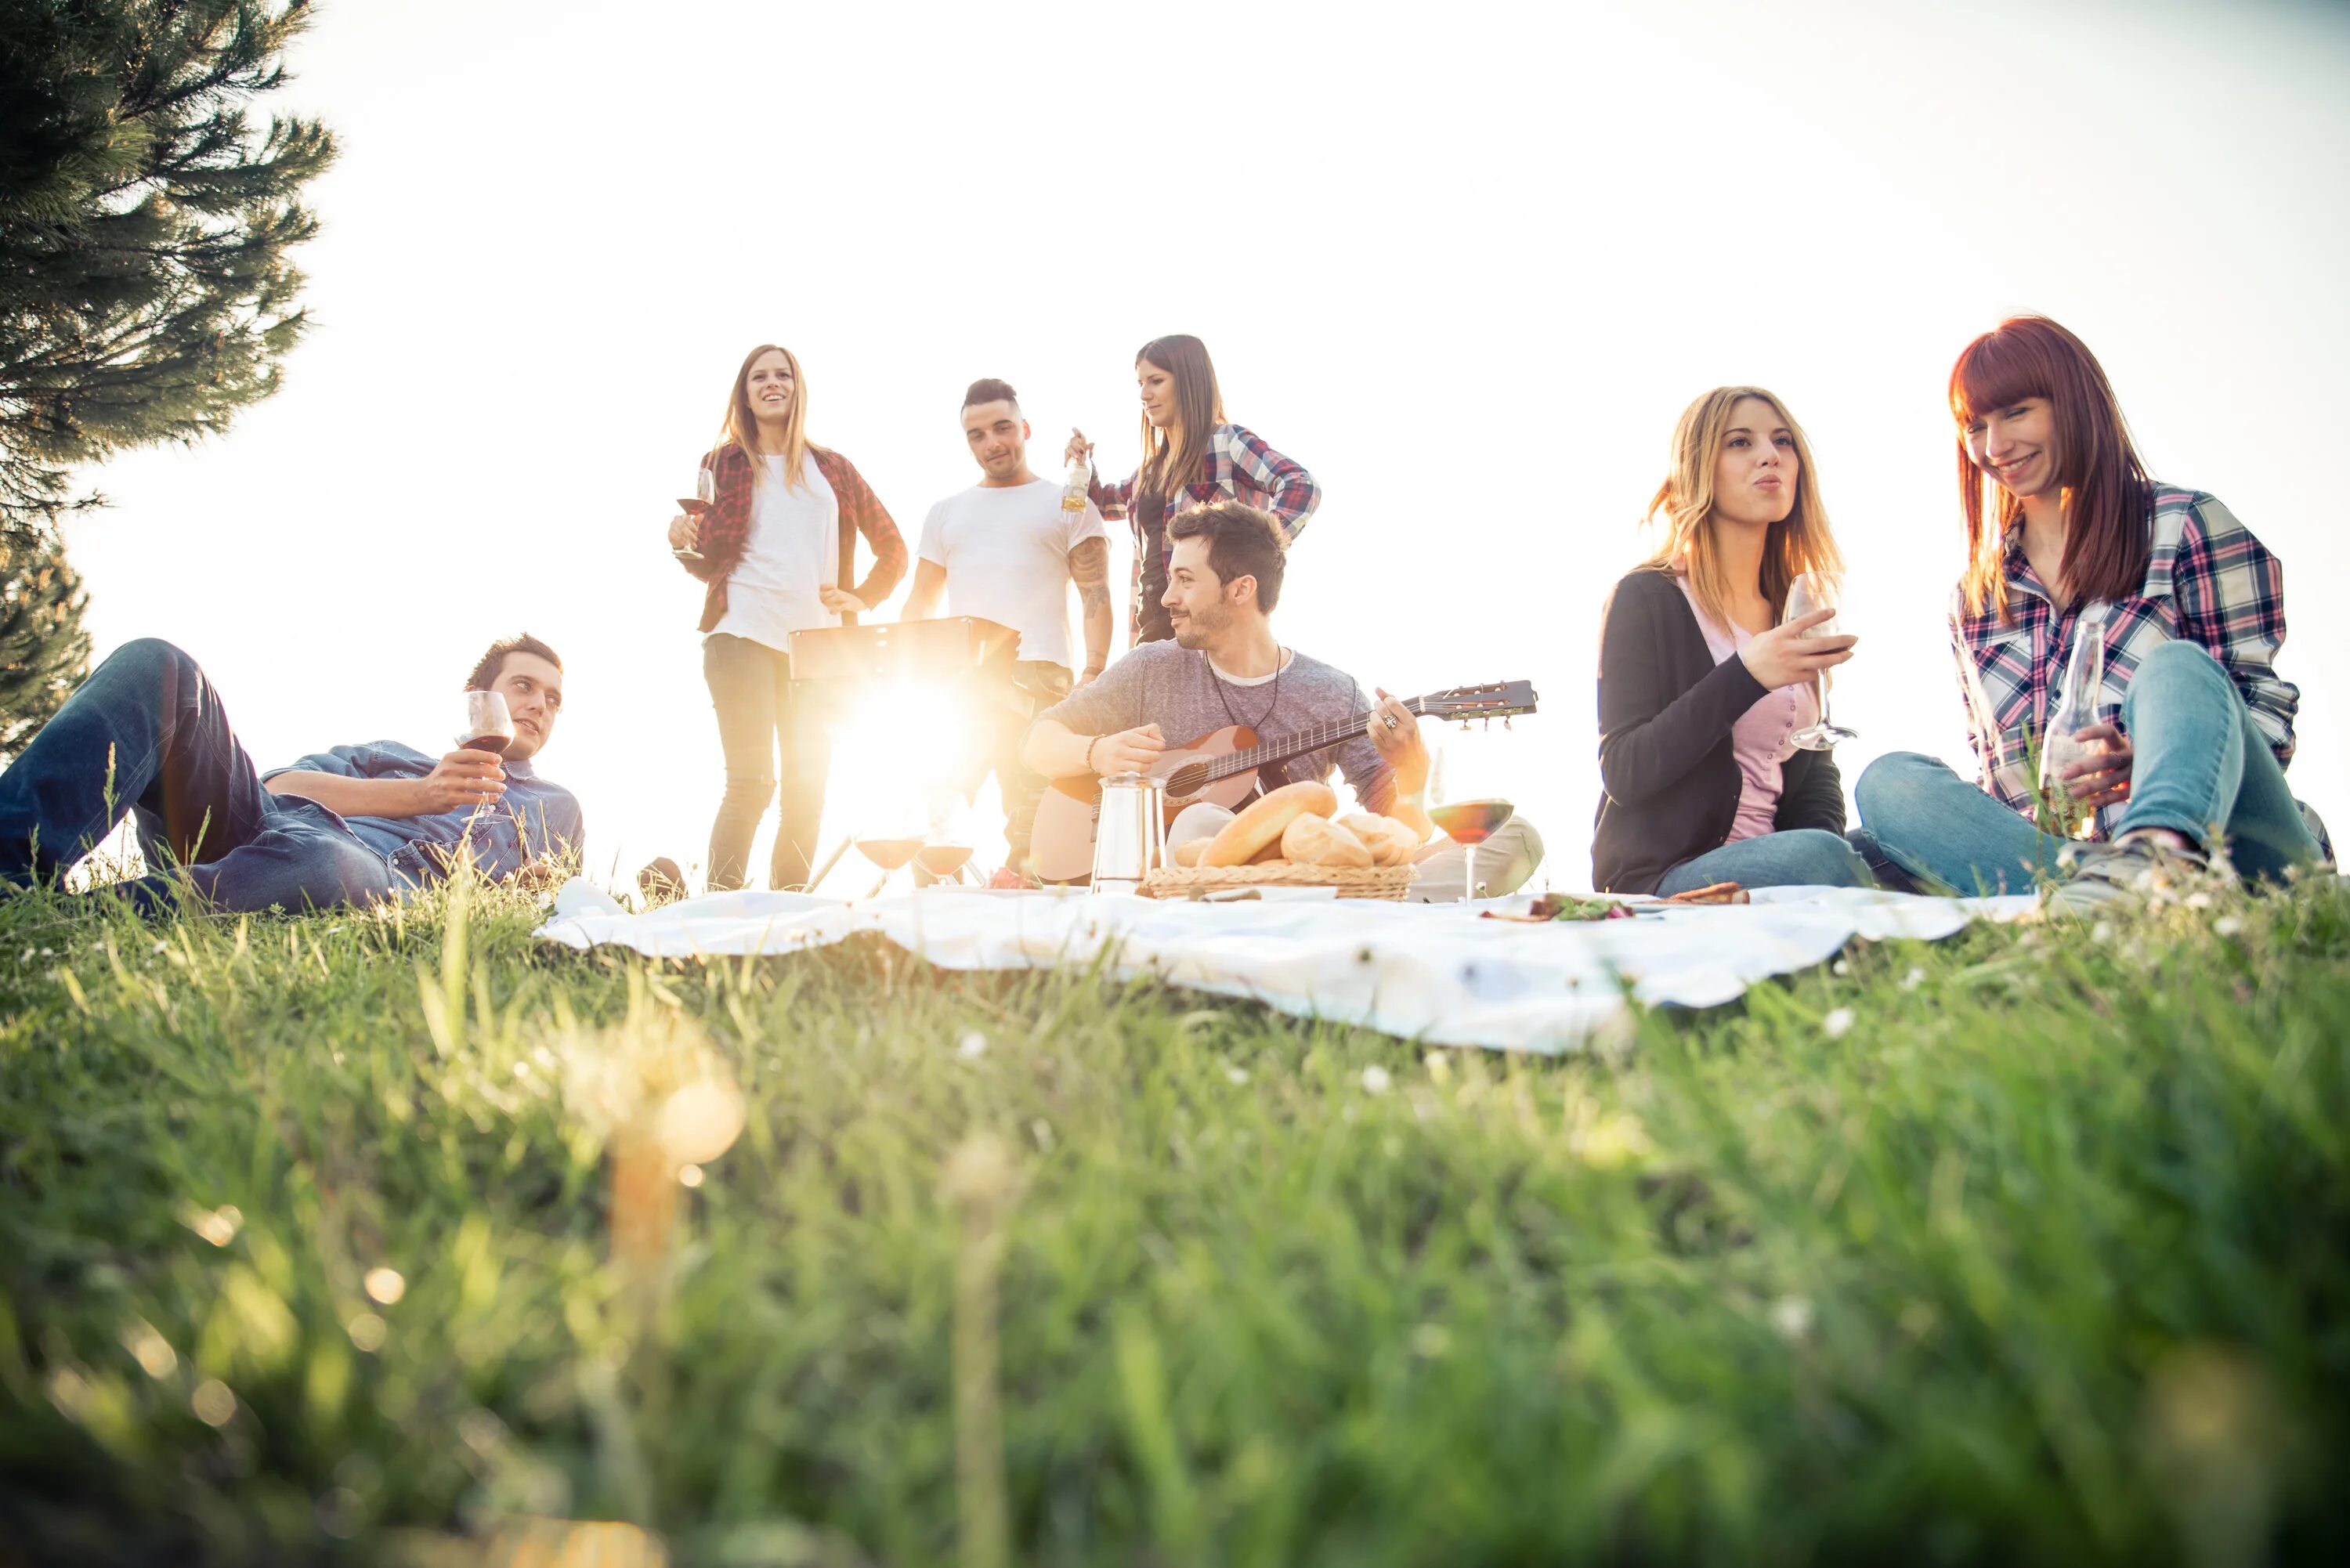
(2123, 876)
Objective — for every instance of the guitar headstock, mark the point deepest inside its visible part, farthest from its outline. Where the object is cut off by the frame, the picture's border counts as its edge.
(1496, 699)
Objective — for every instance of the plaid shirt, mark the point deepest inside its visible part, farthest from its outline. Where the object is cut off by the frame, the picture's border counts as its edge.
(726, 528)
(2207, 578)
(1239, 467)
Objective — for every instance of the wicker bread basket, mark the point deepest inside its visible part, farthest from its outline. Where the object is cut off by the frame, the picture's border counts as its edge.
(1352, 882)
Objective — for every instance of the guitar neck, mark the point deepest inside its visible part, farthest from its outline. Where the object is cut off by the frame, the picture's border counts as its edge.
(1313, 738)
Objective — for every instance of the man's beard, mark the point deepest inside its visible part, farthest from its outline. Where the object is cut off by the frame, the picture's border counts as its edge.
(1194, 629)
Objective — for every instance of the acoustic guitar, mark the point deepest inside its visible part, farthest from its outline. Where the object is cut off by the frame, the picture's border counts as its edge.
(1221, 766)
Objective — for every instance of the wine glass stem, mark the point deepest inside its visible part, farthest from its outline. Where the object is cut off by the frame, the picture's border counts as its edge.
(1468, 875)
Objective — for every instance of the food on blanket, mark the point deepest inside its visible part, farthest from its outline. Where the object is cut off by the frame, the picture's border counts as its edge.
(1563, 907)
(1717, 893)
(1318, 841)
(1391, 843)
(1188, 854)
(1266, 819)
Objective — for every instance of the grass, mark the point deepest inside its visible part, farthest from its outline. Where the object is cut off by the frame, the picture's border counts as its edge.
(308, 1252)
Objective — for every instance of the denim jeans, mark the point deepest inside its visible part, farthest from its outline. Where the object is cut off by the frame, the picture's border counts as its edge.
(757, 705)
(1799, 857)
(146, 735)
(2201, 769)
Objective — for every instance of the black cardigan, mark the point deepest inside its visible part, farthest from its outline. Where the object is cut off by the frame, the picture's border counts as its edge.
(1668, 780)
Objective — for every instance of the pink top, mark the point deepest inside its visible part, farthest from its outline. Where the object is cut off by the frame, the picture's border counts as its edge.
(1760, 740)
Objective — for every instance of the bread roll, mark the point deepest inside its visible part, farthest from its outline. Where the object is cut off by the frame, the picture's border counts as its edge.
(1266, 856)
(1187, 853)
(1266, 819)
(1391, 843)
(1318, 841)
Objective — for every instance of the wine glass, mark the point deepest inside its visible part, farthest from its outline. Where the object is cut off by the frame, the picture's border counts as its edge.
(1470, 823)
(488, 726)
(705, 491)
(942, 862)
(889, 854)
(1814, 591)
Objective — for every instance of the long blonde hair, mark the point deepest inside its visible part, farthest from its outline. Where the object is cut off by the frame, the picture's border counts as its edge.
(1800, 544)
(1169, 465)
(739, 428)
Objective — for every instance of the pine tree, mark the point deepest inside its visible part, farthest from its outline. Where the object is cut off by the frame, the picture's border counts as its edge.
(146, 293)
(44, 651)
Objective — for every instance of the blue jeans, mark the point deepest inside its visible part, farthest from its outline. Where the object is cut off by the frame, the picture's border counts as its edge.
(146, 735)
(1799, 857)
(2201, 769)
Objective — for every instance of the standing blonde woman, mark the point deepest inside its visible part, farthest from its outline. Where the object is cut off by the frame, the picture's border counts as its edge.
(1702, 690)
(1192, 454)
(777, 547)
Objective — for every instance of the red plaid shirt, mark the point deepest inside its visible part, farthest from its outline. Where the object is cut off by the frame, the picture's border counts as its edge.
(726, 527)
(1239, 467)
(2207, 578)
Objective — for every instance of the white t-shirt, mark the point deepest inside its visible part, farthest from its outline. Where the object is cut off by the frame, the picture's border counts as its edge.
(792, 552)
(1006, 555)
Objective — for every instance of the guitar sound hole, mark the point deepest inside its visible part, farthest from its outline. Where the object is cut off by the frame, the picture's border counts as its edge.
(1186, 779)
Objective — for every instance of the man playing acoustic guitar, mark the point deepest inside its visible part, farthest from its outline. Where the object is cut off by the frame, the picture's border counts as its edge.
(1225, 668)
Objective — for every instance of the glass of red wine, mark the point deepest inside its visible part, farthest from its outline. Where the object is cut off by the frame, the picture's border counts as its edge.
(944, 861)
(1470, 823)
(705, 491)
(488, 726)
(890, 854)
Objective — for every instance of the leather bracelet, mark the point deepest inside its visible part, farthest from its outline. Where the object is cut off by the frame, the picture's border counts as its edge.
(1089, 755)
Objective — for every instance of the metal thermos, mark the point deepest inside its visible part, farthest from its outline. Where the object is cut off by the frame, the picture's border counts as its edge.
(1131, 841)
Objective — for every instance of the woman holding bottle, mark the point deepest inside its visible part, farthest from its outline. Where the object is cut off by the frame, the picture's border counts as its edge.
(1713, 756)
(778, 548)
(2189, 729)
(1190, 454)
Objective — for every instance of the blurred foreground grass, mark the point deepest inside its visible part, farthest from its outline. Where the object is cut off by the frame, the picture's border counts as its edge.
(2021, 1247)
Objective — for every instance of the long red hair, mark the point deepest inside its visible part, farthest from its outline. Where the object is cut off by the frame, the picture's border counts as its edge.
(2107, 497)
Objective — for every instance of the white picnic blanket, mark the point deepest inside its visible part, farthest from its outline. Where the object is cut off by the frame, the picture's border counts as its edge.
(1428, 972)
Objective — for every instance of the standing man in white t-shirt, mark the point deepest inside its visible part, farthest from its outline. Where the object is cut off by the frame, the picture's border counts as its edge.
(1005, 551)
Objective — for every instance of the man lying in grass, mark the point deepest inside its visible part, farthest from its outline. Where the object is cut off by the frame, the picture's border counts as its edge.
(146, 735)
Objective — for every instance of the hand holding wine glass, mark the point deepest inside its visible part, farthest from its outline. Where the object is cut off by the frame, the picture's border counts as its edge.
(1811, 617)
(685, 529)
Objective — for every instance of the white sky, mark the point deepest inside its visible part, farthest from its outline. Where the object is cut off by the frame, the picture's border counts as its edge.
(1467, 264)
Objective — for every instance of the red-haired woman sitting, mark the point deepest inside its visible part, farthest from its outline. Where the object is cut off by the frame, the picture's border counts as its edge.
(2068, 538)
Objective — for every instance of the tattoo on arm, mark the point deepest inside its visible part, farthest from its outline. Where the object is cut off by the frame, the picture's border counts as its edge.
(1089, 567)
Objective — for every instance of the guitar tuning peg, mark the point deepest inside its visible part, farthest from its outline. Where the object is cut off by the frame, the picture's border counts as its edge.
(1464, 726)
(1505, 722)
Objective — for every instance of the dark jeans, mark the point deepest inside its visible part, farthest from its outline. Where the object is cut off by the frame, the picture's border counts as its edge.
(1036, 685)
(146, 735)
(1152, 621)
(758, 707)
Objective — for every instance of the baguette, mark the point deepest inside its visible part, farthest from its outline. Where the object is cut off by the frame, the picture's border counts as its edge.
(1266, 819)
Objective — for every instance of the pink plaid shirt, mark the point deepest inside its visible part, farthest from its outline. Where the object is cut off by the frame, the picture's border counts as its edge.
(2207, 578)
